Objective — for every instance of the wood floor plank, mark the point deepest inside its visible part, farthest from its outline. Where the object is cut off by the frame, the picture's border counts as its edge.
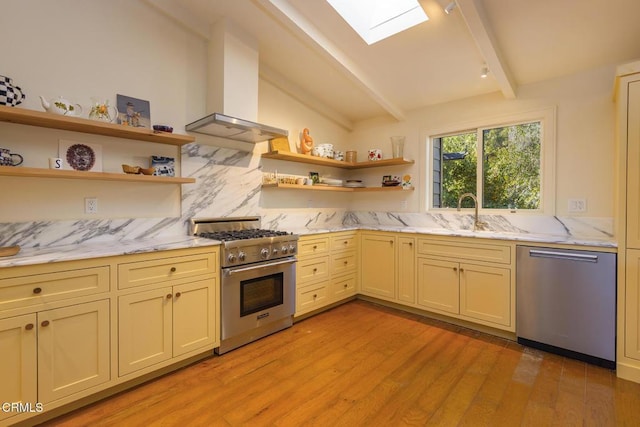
(361, 364)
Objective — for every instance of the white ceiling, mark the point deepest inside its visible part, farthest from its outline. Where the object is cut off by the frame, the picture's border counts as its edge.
(307, 50)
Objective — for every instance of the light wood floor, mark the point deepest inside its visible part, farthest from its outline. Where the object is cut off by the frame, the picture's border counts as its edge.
(361, 364)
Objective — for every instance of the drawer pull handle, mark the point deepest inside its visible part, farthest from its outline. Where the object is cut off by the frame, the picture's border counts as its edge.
(346, 286)
(178, 294)
(315, 296)
(391, 241)
(346, 262)
(455, 268)
(315, 270)
(461, 269)
(173, 269)
(44, 323)
(346, 242)
(315, 247)
(29, 326)
(37, 290)
(169, 296)
(410, 243)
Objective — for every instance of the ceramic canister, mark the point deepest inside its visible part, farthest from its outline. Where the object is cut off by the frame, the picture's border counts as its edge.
(375, 154)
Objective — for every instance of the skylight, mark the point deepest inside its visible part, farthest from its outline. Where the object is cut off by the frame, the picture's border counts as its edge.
(375, 20)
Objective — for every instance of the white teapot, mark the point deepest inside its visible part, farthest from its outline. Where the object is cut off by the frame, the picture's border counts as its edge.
(61, 106)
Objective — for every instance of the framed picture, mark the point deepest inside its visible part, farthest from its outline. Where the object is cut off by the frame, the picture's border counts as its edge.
(279, 144)
(165, 166)
(80, 156)
(315, 177)
(133, 112)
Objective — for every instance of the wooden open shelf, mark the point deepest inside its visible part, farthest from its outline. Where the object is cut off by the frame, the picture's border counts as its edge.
(303, 158)
(333, 188)
(78, 124)
(97, 176)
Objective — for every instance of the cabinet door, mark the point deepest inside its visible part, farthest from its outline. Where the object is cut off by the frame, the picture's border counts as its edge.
(73, 349)
(378, 265)
(194, 316)
(407, 269)
(633, 166)
(18, 369)
(632, 305)
(438, 285)
(485, 293)
(144, 329)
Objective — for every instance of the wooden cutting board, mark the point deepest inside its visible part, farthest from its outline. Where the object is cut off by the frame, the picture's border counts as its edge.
(9, 250)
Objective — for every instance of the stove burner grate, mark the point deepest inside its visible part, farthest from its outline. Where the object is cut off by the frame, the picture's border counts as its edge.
(241, 234)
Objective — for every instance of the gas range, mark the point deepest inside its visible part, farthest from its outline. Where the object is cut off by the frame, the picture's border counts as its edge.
(243, 241)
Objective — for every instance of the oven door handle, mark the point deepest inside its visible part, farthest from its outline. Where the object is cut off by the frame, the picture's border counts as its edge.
(255, 267)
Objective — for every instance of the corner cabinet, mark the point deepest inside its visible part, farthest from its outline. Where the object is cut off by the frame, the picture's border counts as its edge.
(78, 124)
(321, 161)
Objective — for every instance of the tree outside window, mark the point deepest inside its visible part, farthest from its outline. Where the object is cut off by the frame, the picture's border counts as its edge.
(509, 171)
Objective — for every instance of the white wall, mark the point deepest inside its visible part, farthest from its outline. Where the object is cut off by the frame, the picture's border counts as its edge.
(584, 144)
(79, 49)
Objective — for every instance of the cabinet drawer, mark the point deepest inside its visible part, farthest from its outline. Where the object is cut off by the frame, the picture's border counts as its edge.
(160, 270)
(345, 242)
(311, 297)
(315, 246)
(42, 288)
(312, 269)
(466, 251)
(343, 287)
(343, 262)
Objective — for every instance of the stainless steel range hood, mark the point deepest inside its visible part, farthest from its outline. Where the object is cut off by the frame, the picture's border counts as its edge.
(224, 126)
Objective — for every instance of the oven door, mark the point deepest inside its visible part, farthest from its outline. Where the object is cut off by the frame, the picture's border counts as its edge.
(255, 295)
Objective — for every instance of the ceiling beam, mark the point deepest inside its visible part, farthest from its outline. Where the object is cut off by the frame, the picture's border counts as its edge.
(474, 16)
(294, 20)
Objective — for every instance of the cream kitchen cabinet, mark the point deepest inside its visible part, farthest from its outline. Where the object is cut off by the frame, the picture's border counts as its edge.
(55, 353)
(312, 273)
(18, 370)
(467, 280)
(406, 269)
(326, 270)
(378, 251)
(168, 308)
(157, 325)
(628, 221)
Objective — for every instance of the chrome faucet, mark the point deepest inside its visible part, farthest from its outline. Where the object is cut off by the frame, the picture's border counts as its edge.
(477, 224)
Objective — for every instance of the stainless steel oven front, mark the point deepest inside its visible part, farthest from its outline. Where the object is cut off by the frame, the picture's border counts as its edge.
(256, 300)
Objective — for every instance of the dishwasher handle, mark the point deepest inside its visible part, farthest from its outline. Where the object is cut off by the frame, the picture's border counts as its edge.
(563, 255)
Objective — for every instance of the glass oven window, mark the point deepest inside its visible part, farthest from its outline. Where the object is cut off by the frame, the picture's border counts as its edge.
(261, 293)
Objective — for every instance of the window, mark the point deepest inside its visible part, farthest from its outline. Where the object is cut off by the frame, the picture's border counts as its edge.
(375, 20)
(503, 165)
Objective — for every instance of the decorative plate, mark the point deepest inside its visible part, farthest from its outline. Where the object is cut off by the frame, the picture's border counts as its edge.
(81, 157)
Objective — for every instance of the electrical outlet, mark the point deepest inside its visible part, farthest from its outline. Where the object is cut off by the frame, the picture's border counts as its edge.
(577, 205)
(90, 205)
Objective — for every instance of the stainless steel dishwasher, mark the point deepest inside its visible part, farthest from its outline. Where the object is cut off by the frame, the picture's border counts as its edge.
(566, 302)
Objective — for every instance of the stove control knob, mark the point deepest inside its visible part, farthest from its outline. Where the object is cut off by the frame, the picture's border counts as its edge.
(284, 249)
(292, 249)
(275, 251)
(241, 256)
(231, 258)
(264, 253)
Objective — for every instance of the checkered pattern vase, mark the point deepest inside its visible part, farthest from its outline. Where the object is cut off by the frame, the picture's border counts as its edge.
(9, 94)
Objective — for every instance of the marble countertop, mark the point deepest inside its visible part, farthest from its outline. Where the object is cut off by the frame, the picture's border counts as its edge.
(39, 255)
(517, 237)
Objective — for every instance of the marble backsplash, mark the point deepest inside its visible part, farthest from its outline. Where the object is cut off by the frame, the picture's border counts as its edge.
(228, 183)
